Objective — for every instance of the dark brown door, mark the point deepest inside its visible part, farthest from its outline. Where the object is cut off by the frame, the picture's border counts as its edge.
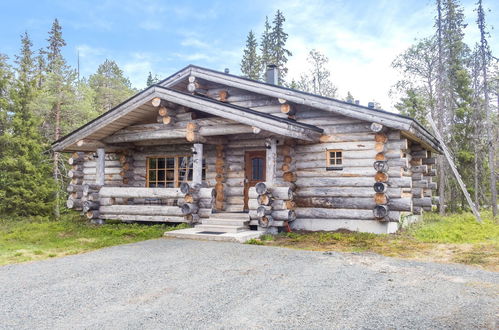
(254, 169)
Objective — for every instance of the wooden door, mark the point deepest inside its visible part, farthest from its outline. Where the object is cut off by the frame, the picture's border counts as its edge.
(254, 169)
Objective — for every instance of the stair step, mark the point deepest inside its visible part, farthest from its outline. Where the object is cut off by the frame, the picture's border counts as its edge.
(231, 216)
(218, 228)
(225, 222)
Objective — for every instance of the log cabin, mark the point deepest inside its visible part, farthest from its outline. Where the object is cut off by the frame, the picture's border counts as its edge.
(230, 154)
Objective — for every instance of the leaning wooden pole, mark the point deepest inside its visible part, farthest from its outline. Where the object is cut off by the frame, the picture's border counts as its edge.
(454, 169)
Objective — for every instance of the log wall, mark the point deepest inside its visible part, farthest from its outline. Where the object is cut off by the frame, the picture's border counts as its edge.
(348, 194)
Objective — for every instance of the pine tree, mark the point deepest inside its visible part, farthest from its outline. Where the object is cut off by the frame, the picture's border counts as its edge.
(110, 85)
(317, 79)
(250, 64)
(485, 56)
(278, 53)
(266, 48)
(56, 99)
(56, 42)
(26, 185)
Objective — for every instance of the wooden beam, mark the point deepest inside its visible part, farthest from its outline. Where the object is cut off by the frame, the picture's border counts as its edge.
(244, 117)
(271, 160)
(100, 166)
(197, 163)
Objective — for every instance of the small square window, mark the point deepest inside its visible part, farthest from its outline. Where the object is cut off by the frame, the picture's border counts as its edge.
(334, 158)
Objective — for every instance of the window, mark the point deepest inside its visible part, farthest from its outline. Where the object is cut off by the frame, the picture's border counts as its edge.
(257, 168)
(169, 171)
(334, 158)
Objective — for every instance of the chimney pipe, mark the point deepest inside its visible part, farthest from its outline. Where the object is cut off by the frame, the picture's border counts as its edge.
(272, 74)
(226, 70)
(357, 102)
(370, 105)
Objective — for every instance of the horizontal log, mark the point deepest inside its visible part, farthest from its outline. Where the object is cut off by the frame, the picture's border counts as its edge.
(429, 161)
(324, 213)
(285, 215)
(266, 221)
(280, 204)
(189, 208)
(253, 204)
(263, 210)
(262, 188)
(425, 201)
(107, 170)
(74, 188)
(90, 188)
(141, 210)
(136, 192)
(76, 204)
(381, 211)
(149, 218)
(107, 163)
(366, 203)
(93, 214)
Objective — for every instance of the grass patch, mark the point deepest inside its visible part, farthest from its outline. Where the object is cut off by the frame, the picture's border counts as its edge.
(455, 238)
(34, 239)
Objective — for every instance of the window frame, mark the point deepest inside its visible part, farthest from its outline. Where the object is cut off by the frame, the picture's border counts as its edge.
(176, 169)
(334, 166)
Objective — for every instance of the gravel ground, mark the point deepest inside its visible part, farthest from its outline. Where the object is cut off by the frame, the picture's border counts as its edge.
(170, 283)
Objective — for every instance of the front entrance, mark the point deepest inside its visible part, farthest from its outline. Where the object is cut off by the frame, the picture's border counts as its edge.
(254, 170)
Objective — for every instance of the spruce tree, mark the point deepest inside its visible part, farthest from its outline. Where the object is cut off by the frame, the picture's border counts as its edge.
(110, 85)
(266, 48)
(279, 53)
(5, 82)
(414, 105)
(250, 64)
(152, 80)
(26, 185)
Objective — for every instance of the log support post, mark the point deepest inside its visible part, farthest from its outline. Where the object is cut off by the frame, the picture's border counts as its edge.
(271, 160)
(197, 163)
(100, 166)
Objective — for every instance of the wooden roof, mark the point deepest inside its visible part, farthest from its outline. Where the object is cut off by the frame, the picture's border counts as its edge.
(408, 125)
(138, 109)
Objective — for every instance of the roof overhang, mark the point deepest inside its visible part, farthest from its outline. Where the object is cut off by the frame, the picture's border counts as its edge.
(411, 127)
(238, 114)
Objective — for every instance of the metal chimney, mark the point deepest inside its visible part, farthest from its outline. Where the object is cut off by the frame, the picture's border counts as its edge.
(272, 74)
(357, 102)
(370, 105)
(226, 70)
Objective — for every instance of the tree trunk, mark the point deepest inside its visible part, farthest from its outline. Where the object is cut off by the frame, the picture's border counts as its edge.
(57, 212)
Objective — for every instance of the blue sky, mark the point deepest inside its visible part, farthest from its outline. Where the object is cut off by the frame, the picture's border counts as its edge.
(360, 37)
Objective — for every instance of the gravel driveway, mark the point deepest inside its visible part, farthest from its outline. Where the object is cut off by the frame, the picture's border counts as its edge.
(170, 283)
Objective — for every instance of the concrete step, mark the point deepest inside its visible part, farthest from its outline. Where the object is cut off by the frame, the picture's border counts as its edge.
(219, 228)
(230, 215)
(225, 222)
(193, 233)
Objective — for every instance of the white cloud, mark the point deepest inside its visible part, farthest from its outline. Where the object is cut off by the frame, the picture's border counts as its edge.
(360, 50)
(194, 42)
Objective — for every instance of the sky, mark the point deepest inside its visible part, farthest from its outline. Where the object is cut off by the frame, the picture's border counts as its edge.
(361, 37)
